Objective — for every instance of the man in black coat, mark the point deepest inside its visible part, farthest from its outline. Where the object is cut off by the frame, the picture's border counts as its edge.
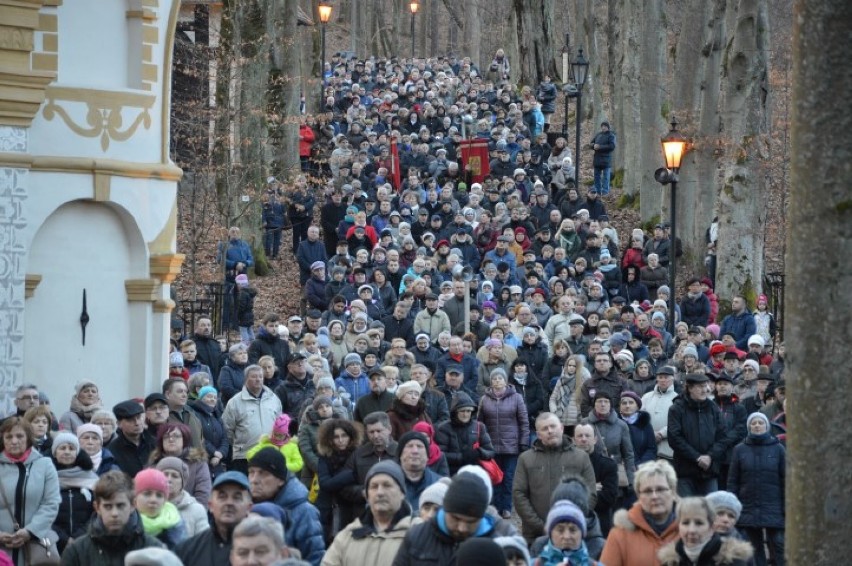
(207, 347)
(268, 343)
(230, 503)
(606, 474)
(130, 447)
(331, 215)
(603, 144)
(399, 325)
(698, 437)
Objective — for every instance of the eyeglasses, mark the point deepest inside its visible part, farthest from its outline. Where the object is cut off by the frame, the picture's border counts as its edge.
(650, 492)
(28, 398)
(173, 436)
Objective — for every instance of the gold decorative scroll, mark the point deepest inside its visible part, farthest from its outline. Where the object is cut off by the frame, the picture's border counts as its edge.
(104, 115)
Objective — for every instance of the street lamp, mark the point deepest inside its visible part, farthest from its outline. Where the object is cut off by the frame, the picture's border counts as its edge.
(414, 5)
(579, 70)
(674, 147)
(324, 9)
(566, 69)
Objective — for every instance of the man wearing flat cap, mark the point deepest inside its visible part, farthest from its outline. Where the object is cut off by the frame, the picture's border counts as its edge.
(698, 438)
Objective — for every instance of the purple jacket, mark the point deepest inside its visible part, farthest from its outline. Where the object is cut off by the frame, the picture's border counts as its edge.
(506, 420)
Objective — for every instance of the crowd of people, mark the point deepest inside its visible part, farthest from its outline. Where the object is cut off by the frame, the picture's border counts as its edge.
(540, 413)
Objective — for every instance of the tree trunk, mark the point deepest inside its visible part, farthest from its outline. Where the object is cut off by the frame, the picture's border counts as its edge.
(615, 59)
(696, 104)
(819, 502)
(631, 99)
(284, 86)
(535, 30)
(653, 65)
(742, 208)
(594, 111)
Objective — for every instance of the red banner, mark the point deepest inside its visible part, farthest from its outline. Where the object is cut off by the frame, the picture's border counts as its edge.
(396, 168)
(474, 157)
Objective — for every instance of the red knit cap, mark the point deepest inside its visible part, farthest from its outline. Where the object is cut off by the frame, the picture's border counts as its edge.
(151, 479)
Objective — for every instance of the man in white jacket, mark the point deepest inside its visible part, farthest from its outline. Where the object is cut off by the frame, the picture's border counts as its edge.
(656, 402)
(249, 414)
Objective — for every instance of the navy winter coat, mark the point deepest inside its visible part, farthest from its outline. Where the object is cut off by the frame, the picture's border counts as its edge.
(603, 155)
(696, 428)
(740, 326)
(644, 441)
(756, 477)
(302, 527)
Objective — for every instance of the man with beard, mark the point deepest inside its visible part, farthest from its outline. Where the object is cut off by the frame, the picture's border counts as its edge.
(208, 351)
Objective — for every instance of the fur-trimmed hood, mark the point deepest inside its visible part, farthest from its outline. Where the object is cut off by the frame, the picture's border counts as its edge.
(722, 551)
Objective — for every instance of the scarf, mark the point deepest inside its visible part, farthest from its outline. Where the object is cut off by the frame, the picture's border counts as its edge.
(169, 517)
(97, 459)
(521, 378)
(76, 477)
(85, 411)
(552, 556)
(20, 459)
(632, 418)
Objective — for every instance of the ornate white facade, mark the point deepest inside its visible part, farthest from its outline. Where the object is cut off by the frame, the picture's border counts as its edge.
(87, 195)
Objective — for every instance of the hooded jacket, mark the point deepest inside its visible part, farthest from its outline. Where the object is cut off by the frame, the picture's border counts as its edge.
(756, 477)
(101, 548)
(430, 543)
(456, 439)
(632, 541)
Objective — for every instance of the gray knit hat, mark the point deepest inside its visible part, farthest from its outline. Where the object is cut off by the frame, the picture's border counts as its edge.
(351, 358)
(435, 493)
(725, 500)
(390, 468)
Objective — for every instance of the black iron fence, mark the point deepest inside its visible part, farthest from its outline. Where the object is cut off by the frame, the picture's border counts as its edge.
(773, 283)
(212, 303)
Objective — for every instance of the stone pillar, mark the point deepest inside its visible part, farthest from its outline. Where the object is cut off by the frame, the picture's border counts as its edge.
(22, 87)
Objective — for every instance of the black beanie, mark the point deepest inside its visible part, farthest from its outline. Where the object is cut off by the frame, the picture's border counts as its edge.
(408, 437)
(271, 460)
(467, 495)
(484, 551)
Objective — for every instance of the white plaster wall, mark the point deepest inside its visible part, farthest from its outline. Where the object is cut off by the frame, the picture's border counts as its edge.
(70, 255)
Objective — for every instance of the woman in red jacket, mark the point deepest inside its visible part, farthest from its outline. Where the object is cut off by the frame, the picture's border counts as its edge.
(306, 142)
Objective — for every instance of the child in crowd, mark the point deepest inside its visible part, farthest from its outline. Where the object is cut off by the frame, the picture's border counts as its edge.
(245, 308)
(116, 529)
(728, 508)
(281, 440)
(160, 517)
(566, 529)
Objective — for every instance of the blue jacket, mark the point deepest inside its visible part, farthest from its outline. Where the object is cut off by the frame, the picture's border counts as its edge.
(307, 253)
(215, 437)
(302, 528)
(469, 364)
(414, 490)
(357, 387)
(274, 215)
(238, 251)
(509, 258)
(740, 326)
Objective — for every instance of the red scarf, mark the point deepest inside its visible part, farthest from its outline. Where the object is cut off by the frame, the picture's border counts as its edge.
(20, 459)
(434, 450)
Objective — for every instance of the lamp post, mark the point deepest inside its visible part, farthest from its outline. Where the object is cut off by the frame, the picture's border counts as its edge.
(566, 69)
(674, 147)
(579, 70)
(414, 5)
(324, 9)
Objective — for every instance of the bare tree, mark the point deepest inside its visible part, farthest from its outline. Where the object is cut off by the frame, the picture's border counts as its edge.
(818, 474)
(744, 118)
(535, 41)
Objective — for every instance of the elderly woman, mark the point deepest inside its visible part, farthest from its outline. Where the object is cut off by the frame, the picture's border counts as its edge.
(174, 439)
(231, 376)
(400, 358)
(91, 439)
(639, 532)
(108, 423)
(495, 357)
(436, 402)
(194, 514)
(76, 481)
(504, 414)
(195, 382)
(84, 404)
(209, 411)
(698, 543)
(407, 409)
(756, 477)
(29, 490)
(463, 439)
(615, 436)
